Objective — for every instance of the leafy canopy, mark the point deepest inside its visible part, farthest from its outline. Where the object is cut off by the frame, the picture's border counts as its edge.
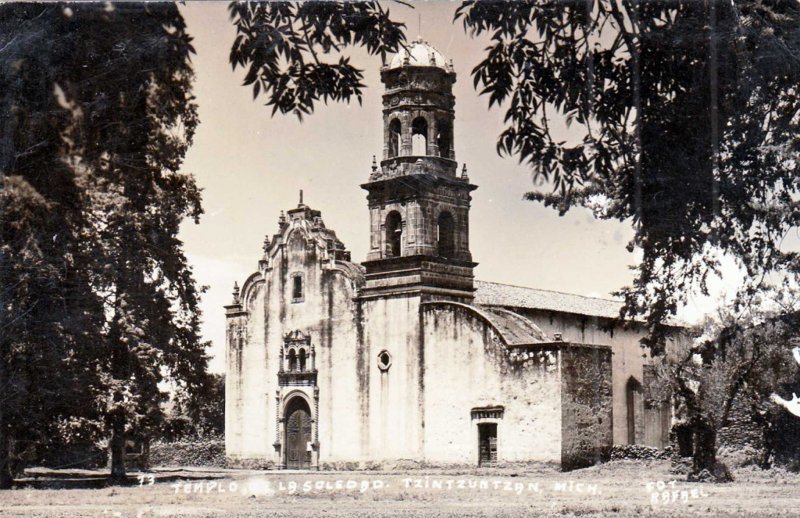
(688, 113)
(98, 113)
(283, 45)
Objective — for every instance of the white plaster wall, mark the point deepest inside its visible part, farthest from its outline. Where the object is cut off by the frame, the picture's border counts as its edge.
(248, 418)
(393, 398)
(233, 389)
(466, 367)
(337, 361)
(327, 314)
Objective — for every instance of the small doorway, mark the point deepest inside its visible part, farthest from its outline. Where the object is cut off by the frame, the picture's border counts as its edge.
(298, 434)
(487, 444)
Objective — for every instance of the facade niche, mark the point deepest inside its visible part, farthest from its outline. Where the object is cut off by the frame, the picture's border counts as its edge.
(394, 138)
(419, 137)
(445, 235)
(297, 287)
(394, 234)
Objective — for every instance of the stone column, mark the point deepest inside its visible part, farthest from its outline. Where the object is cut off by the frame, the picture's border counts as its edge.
(405, 134)
(315, 432)
(279, 423)
(431, 147)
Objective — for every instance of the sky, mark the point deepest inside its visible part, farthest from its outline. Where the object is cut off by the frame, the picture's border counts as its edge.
(251, 166)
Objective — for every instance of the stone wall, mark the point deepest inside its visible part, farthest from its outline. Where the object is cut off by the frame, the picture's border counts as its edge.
(208, 452)
(586, 405)
(742, 431)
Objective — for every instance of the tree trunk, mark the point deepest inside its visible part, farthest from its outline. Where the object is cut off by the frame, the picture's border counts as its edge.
(6, 159)
(6, 479)
(119, 369)
(705, 467)
(117, 444)
(705, 448)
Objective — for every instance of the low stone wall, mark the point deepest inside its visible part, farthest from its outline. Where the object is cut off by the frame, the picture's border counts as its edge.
(742, 431)
(198, 453)
(640, 452)
(248, 463)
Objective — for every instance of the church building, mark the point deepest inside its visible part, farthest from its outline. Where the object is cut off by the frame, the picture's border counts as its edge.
(406, 357)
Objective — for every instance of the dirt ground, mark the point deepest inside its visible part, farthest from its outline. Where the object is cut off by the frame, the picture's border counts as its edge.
(620, 488)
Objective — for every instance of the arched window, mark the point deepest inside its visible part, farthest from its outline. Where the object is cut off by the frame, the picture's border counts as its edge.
(394, 138)
(444, 137)
(302, 359)
(292, 360)
(394, 234)
(445, 230)
(419, 137)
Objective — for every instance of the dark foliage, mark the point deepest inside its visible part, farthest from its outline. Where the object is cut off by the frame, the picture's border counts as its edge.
(97, 114)
(687, 113)
(285, 46)
(197, 416)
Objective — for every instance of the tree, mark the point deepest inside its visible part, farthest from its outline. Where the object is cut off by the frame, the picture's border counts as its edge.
(736, 356)
(687, 117)
(49, 317)
(198, 416)
(684, 115)
(108, 88)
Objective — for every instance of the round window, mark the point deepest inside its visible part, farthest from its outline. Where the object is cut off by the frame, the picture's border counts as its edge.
(384, 360)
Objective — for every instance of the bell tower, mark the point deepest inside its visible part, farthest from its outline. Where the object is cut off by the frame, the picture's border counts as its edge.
(419, 206)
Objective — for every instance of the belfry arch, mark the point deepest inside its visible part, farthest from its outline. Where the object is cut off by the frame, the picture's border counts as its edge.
(393, 142)
(445, 235)
(419, 137)
(394, 234)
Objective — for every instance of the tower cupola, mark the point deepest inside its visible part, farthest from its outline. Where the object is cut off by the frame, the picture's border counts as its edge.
(418, 111)
(419, 207)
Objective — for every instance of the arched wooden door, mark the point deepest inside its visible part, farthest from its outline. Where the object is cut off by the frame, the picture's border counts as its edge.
(298, 434)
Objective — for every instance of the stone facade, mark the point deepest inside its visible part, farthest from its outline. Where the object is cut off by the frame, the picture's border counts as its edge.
(406, 357)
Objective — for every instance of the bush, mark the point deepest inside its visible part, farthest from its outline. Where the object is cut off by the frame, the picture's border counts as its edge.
(198, 453)
(639, 452)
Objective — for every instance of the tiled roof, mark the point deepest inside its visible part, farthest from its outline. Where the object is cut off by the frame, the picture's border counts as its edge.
(514, 329)
(495, 294)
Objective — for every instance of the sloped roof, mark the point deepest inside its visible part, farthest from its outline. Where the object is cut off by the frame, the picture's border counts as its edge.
(514, 329)
(496, 294)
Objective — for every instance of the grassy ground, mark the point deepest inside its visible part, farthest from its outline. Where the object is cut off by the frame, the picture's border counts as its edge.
(617, 488)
